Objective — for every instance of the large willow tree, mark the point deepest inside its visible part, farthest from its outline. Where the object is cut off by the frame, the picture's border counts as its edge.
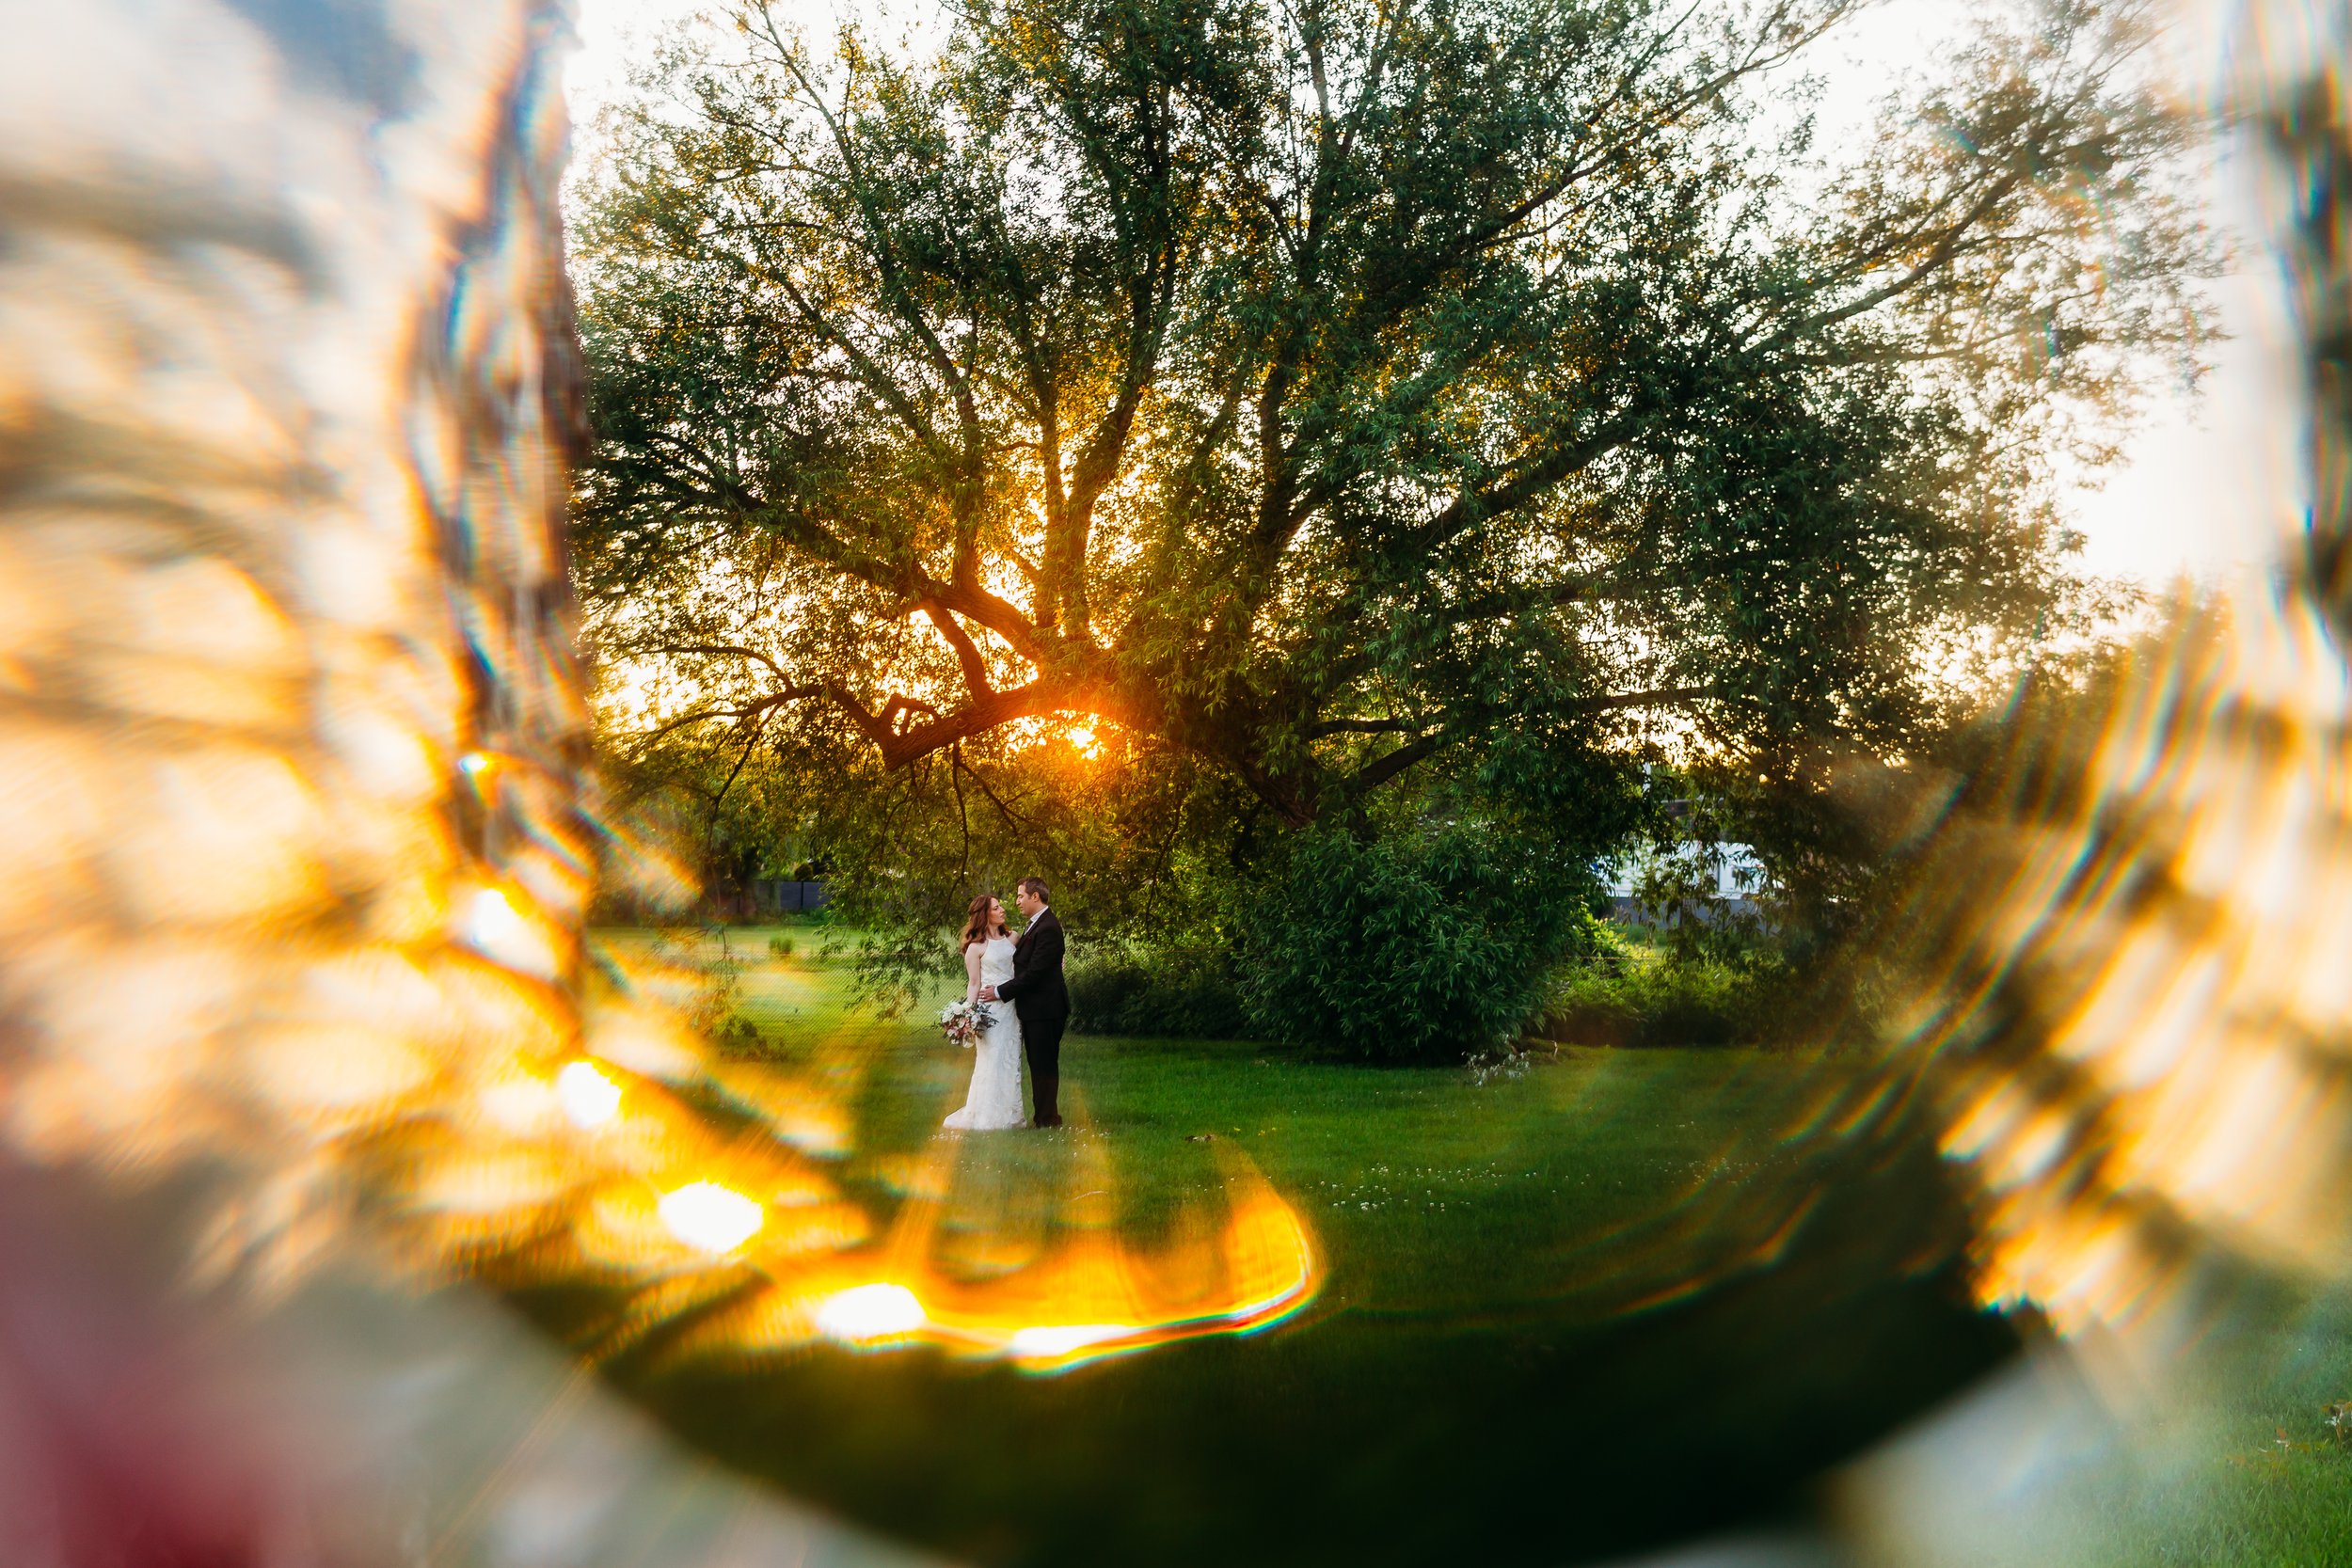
(1330, 398)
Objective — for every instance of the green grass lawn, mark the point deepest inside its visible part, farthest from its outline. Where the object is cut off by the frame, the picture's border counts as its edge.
(2231, 1463)
(1625, 1296)
(2244, 1469)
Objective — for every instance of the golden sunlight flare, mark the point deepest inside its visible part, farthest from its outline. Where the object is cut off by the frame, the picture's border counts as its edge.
(588, 1096)
(996, 1290)
(714, 1218)
(714, 1200)
(2134, 1018)
(864, 1314)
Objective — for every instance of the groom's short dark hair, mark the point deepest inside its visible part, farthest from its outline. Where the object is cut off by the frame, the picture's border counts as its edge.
(1036, 885)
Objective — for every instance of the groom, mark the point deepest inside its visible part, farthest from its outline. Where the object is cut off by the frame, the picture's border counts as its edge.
(1038, 996)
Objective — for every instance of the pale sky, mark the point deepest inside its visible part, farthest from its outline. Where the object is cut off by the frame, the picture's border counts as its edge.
(2209, 485)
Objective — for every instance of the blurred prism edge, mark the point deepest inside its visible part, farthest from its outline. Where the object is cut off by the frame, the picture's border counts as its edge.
(296, 839)
(294, 851)
(340, 1424)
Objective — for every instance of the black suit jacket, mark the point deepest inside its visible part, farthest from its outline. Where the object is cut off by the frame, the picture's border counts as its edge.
(1036, 990)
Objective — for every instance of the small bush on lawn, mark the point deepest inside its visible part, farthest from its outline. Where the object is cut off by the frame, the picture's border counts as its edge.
(1413, 948)
(737, 1036)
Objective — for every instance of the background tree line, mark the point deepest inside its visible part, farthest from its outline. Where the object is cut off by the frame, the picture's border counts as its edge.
(1296, 472)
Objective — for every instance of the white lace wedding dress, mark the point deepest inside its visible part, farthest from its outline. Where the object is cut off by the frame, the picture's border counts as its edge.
(993, 1102)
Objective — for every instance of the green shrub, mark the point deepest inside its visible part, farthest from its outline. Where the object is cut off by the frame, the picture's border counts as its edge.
(737, 1036)
(1184, 992)
(1427, 949)
(1619, 997)
(779, 947)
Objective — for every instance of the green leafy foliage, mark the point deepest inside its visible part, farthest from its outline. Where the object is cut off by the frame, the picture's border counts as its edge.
(1623, 995)
(1170, 993)
(1409, 949)
(1439, 401)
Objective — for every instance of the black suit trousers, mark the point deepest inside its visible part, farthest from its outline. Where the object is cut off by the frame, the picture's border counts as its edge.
(1040, 1040)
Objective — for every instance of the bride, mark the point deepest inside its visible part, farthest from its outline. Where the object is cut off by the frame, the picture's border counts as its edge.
(995, 1101)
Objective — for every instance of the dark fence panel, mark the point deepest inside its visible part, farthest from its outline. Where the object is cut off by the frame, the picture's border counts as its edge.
(774, 897)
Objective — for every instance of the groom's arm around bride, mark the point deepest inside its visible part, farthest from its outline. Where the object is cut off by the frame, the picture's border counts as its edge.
(1036, 963)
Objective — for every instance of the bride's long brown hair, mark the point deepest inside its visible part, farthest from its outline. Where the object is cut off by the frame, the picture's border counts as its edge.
(979, 922)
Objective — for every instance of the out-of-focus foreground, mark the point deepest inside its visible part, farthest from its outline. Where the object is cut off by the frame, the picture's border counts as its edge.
(294, 855)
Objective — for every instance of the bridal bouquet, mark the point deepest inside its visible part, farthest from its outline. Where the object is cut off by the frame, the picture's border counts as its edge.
(962, 1021)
